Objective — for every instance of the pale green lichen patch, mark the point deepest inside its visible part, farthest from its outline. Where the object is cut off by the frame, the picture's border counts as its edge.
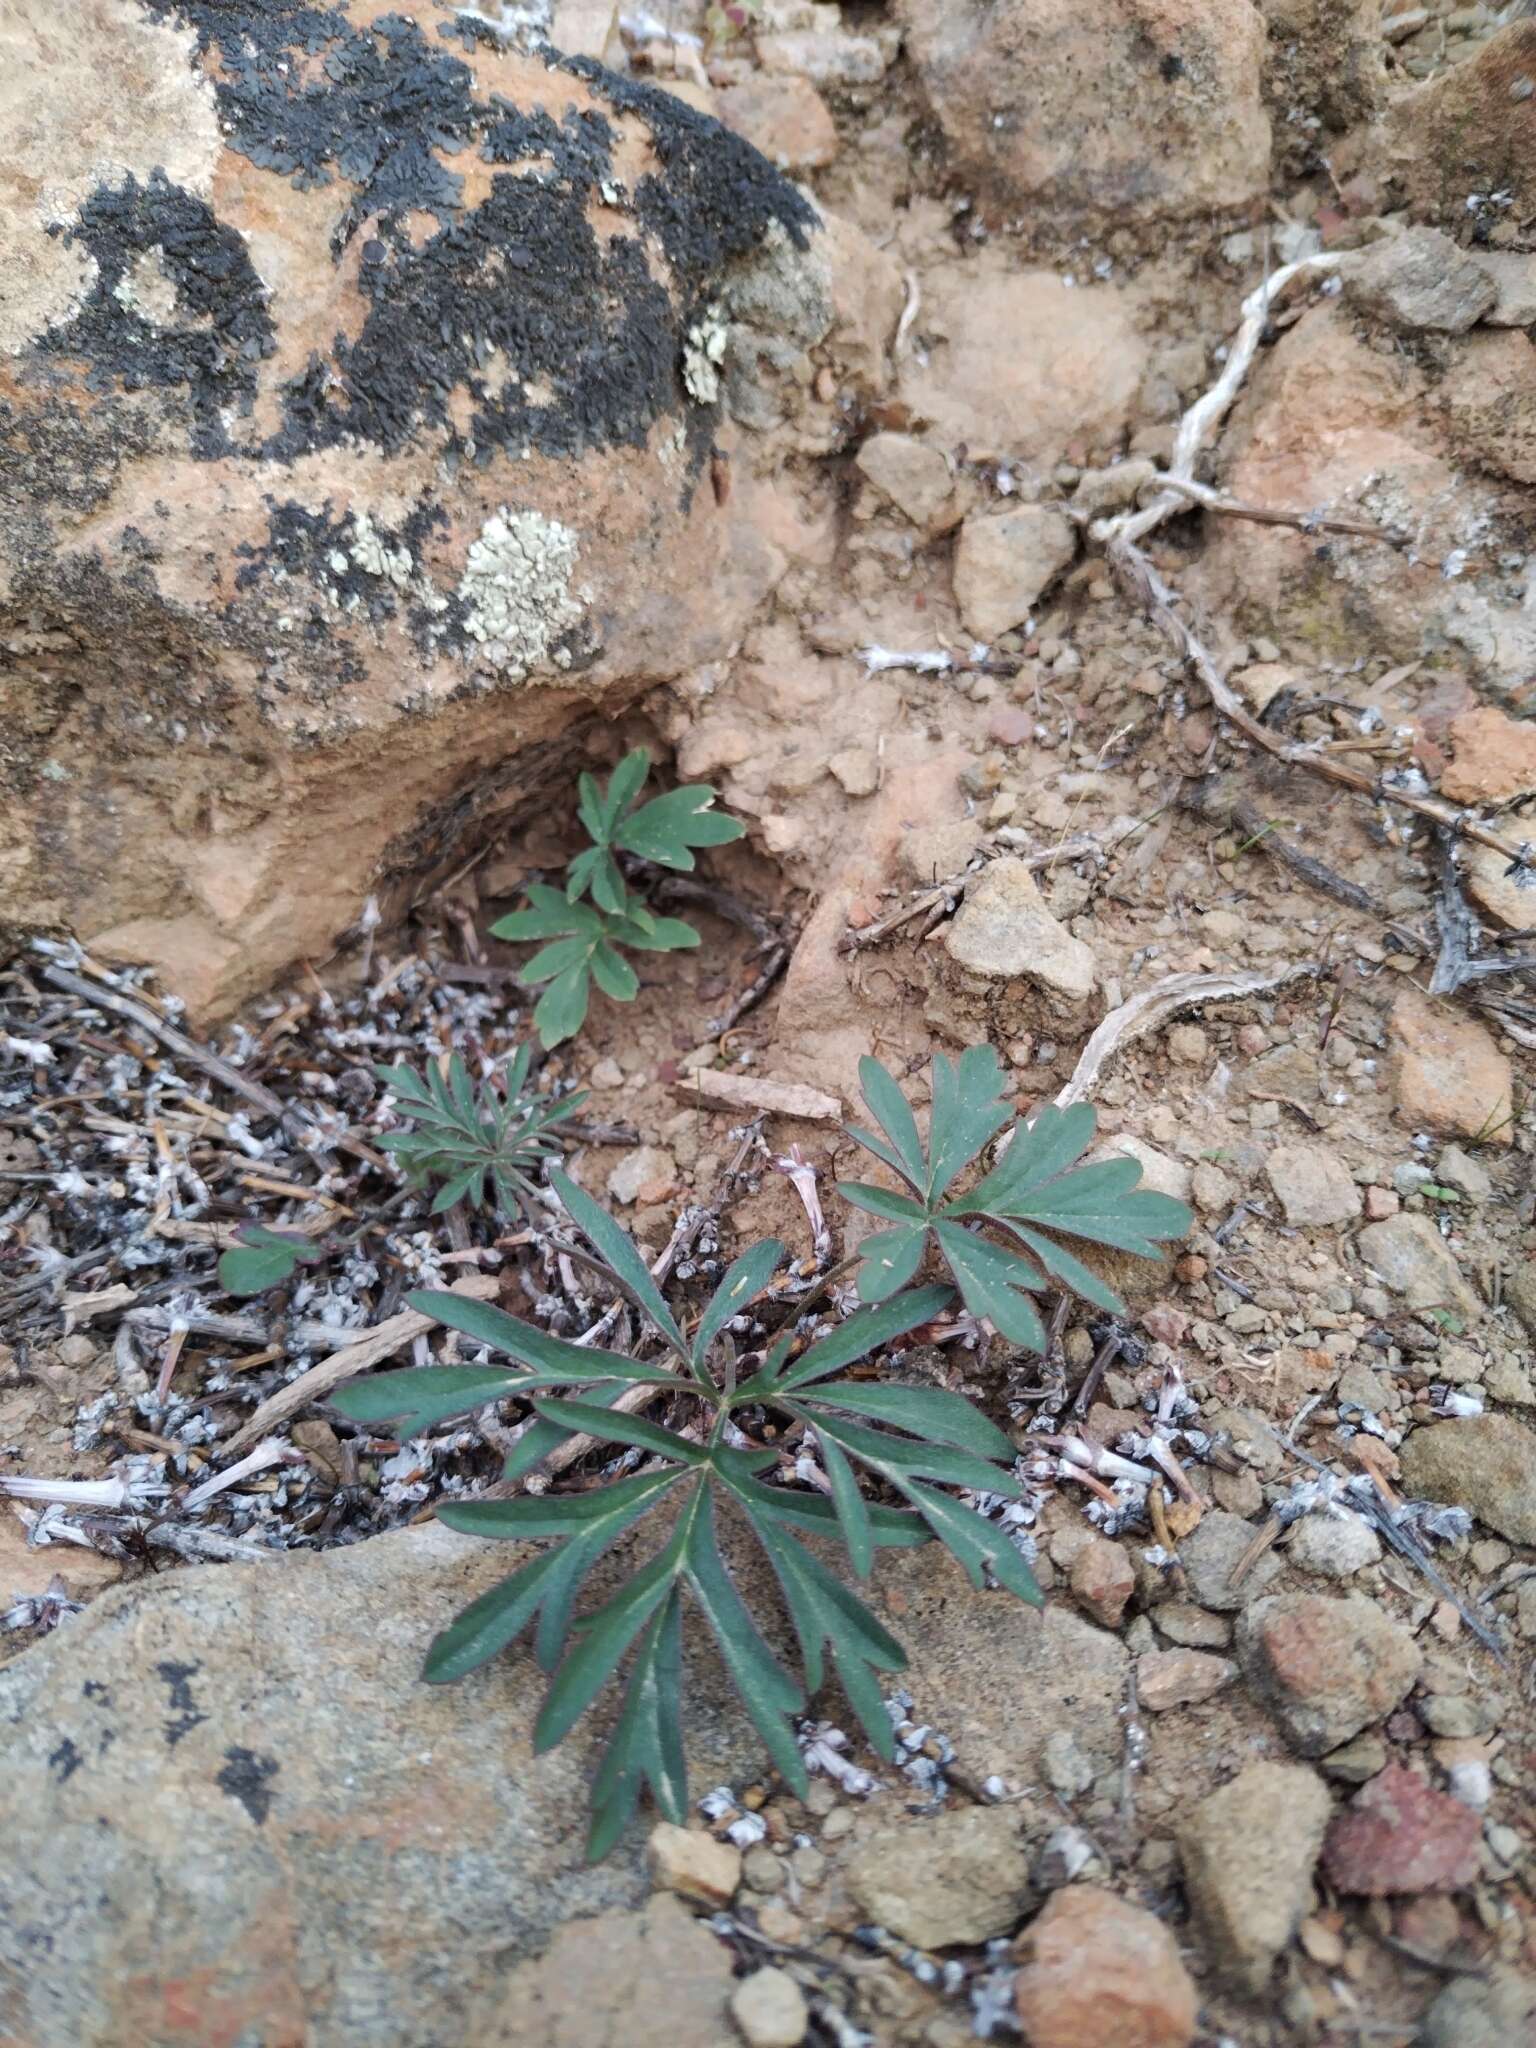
(703, 353)
(516, 589)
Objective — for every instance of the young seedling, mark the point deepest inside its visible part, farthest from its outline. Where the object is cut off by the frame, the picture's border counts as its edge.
(586, 941)
(261, 1259)
(1034, 1194)
(489, 1143)
(913, 1441)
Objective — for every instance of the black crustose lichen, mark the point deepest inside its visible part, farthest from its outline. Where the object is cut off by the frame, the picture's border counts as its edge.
(561, 339)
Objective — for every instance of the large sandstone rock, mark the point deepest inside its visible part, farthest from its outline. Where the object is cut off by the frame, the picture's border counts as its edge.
(358, 374)
(1471, 130)
(1121, 112)
(227, 1793)
(1324, 69)
(1344, 419)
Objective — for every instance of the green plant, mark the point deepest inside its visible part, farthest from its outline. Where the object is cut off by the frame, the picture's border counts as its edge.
(1035, 1191)
(911, 1440)
(583, 940)
(261, 1258)
(471, 1141)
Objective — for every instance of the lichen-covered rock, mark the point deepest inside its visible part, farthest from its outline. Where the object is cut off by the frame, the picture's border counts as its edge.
(359, 373)
(1126, 111)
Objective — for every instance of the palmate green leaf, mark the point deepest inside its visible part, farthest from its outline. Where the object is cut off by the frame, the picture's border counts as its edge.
(768, 1692)
(1032, 1194)
(655, 934)
(992, 1283)
(891, 1258)
(852, 1508)
(825, 1614)
(967, 1111)
(621, 1429)
(667, 828)
(896, 1460)
(262, 1258)
(892, 1528)
(929, 1412)
(646, 1747)
(418, 1397)
(893, 1113)
(560, 1362)
(743, 1280)
(550, 915)
(562, 1009)
(975, 1543)
(618, 1252)
(592, 1521)
(866, 1330)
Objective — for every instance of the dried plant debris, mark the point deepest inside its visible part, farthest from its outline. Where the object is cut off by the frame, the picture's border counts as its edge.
(223, 1219)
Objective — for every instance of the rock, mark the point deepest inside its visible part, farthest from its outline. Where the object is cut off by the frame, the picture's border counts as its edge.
(207, 1780)
(783, 116)
(607, 1074)
(1325, 419)
(1490, 402)
(1249, 1851)
(856, 771)
(1097, 1972)
(646, 1173)
(27, 1570)
(1102, 1580)
(1448, 1073)
(828, 56)
(1481, 2012)
(1158, 1171)
(1410, 1256)
(1193, 1628)
(1400, 1835)
(1520, 1293)
(1005, 561)
(1180, 1678)
(1510, 1382)
(693, 1864)
(581, 1992)
(311, 501)
(1483, 1462)
(1173, 127)
(1325, 1667)
(1113, 489)
(1323, 69)
(1507, 900)
(1493, 757)
(1458, 1169)
(770, 2009)
(1004, 932)
(1470, 129)
(1313, 1184)
(1334, 1546)
(1209, 1554)
(943, 1880)
(915, 477)
(1025, 367)
(1063, 1766)
(1354, 1762)
(1514, 280)
(1419, 280)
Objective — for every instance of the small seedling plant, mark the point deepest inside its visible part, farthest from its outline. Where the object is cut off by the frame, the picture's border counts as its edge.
(261, 1259)
(890, 1454)
(585, 942)
(481, 1146)
(1036, 1188)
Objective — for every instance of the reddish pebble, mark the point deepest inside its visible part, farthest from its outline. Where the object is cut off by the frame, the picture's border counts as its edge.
(1010, 727)
(1101, 1973)
(1252, 1040)
(1165, 1324)
(1401, 1835)
(1102, 1580)
(1180, 1678)
(1380, 1203)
